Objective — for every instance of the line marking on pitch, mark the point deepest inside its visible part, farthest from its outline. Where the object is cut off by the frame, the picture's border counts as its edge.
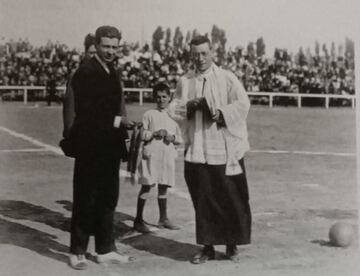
(32, 140)
(345, 154)
(24, 150)
(124, 173)
(57, 150)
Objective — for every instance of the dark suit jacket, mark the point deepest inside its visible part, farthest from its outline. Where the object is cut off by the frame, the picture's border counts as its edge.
(68, 113)
(98, 99)
(68, 108)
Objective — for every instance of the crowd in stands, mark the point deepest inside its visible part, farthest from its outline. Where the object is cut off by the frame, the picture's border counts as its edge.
(23, 64)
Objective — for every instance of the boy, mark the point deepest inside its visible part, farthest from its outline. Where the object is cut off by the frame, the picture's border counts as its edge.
(161, 134)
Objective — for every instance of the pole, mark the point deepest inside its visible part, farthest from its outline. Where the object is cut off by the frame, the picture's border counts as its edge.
(25, 95)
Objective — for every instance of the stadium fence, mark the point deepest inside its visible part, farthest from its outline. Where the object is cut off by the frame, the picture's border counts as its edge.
(23, 93)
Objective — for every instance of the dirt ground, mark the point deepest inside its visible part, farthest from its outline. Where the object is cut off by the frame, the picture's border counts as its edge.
(302, 179)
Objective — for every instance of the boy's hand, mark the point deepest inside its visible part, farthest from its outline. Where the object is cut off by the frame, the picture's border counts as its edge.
(169, 139)
(160, 134)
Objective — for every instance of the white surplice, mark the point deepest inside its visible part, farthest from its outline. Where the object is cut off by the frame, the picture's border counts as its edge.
(205, 141)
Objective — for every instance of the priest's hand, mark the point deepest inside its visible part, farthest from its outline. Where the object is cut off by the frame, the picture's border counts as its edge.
(219, 118)
(195, 104)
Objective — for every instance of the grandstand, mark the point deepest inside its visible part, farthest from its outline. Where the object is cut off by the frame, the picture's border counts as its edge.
(22, 64)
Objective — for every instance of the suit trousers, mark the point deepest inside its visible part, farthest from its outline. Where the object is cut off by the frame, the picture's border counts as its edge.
(95, 196)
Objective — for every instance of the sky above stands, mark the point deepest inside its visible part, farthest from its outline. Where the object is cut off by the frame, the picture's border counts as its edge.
(282, 23)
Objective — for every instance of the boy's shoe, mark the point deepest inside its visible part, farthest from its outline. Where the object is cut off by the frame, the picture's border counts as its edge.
(78, 261)
(113, 258)
(141, 227)
(168, 225)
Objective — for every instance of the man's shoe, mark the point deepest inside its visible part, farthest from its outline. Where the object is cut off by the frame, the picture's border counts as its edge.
(233, 254)
(78, 261)
(141, 227)
(203, 256)
(168, 225)
(113, 258)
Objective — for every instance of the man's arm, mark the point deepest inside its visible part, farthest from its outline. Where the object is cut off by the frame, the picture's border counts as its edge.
(236, 111)
(81, 84)
(122, 111)
(122, 117)
(68, 109)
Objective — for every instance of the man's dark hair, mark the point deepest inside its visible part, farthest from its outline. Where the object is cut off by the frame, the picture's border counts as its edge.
(89, 41)
(160, 87)
(106, 31)
(200, 39)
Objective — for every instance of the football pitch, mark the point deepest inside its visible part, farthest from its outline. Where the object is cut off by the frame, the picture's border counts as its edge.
(301, 172)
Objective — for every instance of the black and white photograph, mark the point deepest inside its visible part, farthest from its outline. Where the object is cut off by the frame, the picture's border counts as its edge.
(179, 137)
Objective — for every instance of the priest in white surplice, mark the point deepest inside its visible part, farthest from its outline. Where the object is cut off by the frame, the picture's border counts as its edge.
(211, 107)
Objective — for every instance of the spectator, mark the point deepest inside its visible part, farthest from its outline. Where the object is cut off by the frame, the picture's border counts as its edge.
(23, 64)
(51, 89)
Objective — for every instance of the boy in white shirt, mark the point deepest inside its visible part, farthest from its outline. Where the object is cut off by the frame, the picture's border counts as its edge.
(157, 168)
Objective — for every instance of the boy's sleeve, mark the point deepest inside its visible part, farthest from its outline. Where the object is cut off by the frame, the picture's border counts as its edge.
(178, 136)
(147, 134)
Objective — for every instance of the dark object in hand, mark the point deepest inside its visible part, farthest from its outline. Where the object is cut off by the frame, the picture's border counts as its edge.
(133, 125)
(196, 104)
(219, 119)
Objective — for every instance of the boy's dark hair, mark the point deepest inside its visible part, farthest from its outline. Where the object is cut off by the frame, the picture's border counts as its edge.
(161, 87)
(200, 39)
(89, 41)
(106, 31)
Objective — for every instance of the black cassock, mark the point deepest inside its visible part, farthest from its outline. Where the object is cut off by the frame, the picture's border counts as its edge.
(221, 204)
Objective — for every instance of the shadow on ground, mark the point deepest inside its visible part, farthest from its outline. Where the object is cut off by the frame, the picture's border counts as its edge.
(151, 243)
(163, 247)
(322, 243)
(23, 236)
(40, 242)
(16, 209)
(45, 244)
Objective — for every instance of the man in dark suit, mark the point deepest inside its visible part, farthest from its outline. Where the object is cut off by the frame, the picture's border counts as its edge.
(98, 133)
(68, 108)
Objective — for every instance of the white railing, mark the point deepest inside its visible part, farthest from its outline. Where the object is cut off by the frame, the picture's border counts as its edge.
(142, 91)
(299, 97)
(27, 89)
